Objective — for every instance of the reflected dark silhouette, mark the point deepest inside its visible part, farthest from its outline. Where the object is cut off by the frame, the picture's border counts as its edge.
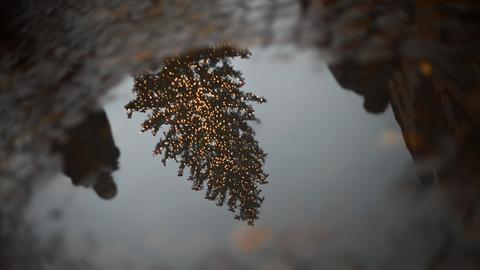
(369, 80)
(197, 98)
(430, 77)
(440, 121)
(434, 92)
(90, 156)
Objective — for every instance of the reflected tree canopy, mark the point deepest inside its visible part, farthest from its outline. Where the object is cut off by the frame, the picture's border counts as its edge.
(197, 104)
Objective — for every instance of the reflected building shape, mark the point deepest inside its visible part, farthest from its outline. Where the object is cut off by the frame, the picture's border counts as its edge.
(196, 102)
(90, 156)
(438, 112)
(434, 91)
(436, 109)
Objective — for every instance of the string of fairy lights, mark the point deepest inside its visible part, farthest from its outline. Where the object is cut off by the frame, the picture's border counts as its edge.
(196, 101)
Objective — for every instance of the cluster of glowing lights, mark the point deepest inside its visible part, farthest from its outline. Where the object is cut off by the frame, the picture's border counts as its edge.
(196, 102)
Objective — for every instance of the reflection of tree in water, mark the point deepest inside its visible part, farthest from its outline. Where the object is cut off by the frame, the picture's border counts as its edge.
(197, 96)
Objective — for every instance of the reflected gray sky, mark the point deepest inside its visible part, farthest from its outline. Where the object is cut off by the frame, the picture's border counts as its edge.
(331, 165)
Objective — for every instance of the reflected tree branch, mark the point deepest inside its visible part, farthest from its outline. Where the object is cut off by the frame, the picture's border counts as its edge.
(196, 103)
